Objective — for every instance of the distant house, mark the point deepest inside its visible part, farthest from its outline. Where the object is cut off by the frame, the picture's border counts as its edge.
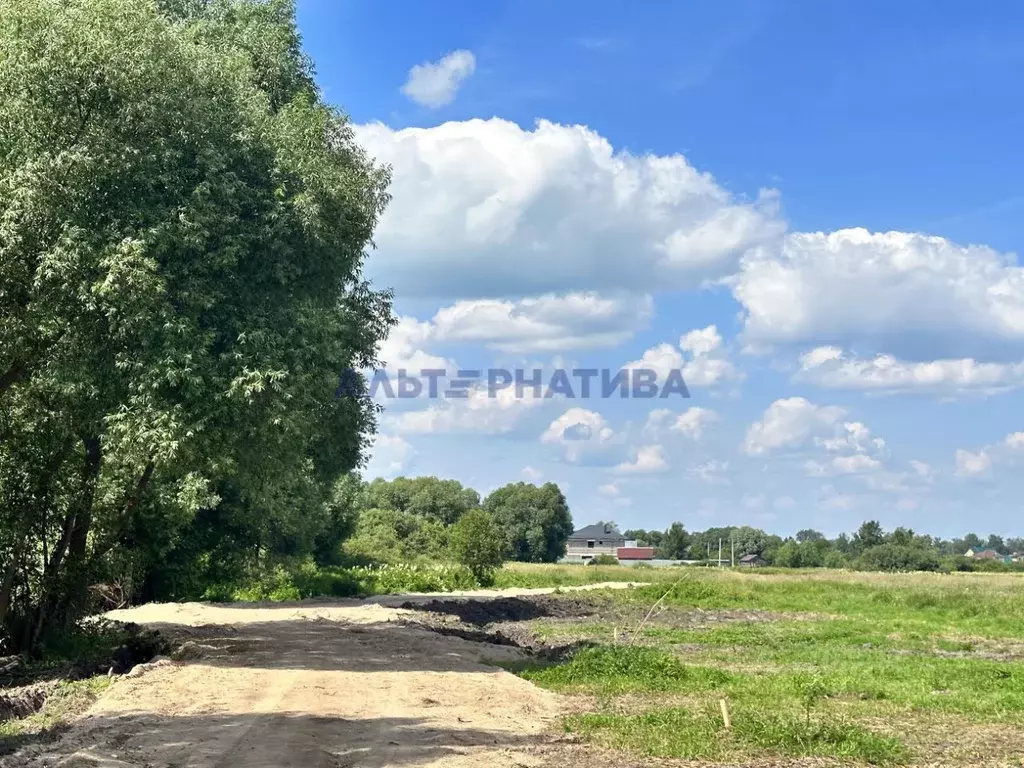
(600, 539)
(983, 554)
(988, 554)
(752, 561)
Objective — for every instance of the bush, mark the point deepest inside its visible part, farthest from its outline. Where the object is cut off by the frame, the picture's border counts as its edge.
(276, 585)
(836, 559)
(309, 580)
(312, 581)
(605, 560)
(894, 557)
(391, 579)
(475, 542)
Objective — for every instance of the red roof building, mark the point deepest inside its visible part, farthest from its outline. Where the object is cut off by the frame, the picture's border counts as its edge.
(635, 553)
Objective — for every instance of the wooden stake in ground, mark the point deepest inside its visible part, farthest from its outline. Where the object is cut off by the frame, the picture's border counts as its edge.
(726, 720)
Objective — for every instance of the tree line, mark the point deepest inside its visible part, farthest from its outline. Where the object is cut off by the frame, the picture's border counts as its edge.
(413, 519)
(870, 547)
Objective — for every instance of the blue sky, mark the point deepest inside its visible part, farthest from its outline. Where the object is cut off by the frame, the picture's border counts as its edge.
(812, 208)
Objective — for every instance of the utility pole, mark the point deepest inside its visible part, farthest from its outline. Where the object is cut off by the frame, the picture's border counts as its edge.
(719, 553)
(732, 542)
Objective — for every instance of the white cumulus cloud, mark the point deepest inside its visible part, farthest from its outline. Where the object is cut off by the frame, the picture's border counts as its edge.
(972, 464)
(693, 421)
(532, 473)
(790, 423)
(925, 298)
(577, 431)
(545, 323)
(481, 412)
(484, 208)
(648, 459)
(403, 348)
(701, 357)
(434, 84)
(829, 367)
(389, 455)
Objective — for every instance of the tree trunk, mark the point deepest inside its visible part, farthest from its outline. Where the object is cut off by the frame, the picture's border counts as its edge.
(8, 581)
(55, 609)
(42, 499)
(131, 501)
(77, 591)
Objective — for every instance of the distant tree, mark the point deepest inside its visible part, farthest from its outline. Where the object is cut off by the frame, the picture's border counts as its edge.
(902, 537)
(809, 534)
(644, 538)
(772, 544)
(534, 522)
(444, 501)
(1015, 545)
(341, 518)
(808, 554)
(894, 557)
(835, 559)
(475, 542)
(972, 541)
(392, 536)
(788, 555)
(748, 540)
(870, 534)
(996, 542)
(843, 543)
(675, 543)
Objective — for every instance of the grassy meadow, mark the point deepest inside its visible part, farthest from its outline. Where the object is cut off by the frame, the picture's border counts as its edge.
(852, 667)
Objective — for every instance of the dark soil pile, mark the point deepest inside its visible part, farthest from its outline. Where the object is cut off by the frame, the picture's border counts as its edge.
(507, 609)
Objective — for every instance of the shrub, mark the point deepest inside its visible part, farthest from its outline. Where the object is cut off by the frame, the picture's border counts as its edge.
(276, 585)
(391, 579)
(835, 559)
(605, 560)
(894, 557)
(475, 542)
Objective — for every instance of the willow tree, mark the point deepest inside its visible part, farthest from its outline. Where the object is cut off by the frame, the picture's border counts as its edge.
(183, 223)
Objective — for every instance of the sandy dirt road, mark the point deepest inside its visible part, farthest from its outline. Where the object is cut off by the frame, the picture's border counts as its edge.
(318, 684)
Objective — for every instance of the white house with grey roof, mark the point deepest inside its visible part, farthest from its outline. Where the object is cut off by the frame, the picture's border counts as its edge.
(594, 540)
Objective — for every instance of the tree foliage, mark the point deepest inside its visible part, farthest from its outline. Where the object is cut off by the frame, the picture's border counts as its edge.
(443, 501)
(534, 522)
(675, 542)
(183, 223)
(476, 543)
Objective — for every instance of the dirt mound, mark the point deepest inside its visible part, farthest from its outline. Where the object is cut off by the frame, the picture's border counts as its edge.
(23, 701)
(508, 609)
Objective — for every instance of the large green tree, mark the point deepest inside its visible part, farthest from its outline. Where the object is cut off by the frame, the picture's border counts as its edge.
(183, 222)
(534, 521)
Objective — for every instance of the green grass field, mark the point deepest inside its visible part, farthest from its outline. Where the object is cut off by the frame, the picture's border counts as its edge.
(859, 667)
